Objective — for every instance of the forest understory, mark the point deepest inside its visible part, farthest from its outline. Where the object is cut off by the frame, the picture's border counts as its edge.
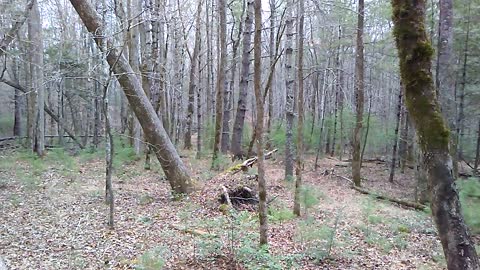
(54, 216)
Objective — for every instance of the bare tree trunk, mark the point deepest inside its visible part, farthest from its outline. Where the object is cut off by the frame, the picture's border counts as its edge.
(175, 171)
(272, 4)
(209, 59)
(36, 71)
(322, 123)
(359, 97)
(18, 102)
(461, 105)
(236, 145)
(228, 93)
(477, 152)
(393, 164)
(134, 61)
(191, 83)
(338, 94)
(415, 53)
(403, 142)
(109, 150)
(222, 10)
(199, 105)
(367, 129)
(289, 108)
(299, 165)
(262, 189)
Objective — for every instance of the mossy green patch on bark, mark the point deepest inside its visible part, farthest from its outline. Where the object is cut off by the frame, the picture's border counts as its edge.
(415, 53)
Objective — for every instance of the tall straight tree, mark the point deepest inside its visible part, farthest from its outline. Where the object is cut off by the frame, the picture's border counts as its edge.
(299, 165)
(222, 10)
(359, 97)
(445, 80)
(257, 82)
(37, 79)
(191, 83)
(236, 145)
(415, 53)
(289, 108)
(175, 171)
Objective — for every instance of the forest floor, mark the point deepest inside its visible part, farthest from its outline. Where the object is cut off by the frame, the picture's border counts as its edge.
(53, 216)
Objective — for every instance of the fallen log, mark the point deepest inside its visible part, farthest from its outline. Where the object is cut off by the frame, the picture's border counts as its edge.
(248, 163)
(416, 206)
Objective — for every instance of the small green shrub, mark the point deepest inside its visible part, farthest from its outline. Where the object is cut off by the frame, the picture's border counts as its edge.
(310, 196)
(145, 199)
(258, 258)
(221, 162)
(87, 155)
(280, 214)
(318, 239)
(152, 259)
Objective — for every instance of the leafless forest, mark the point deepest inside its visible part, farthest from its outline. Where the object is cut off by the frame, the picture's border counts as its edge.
(239, 134)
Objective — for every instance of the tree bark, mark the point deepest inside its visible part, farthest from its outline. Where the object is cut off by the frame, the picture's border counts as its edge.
(191, 83)
(393, 164)
(359, 97)
(222, 10)
(289, 80)
(236, 144)
(228, 93)
(262, 189)
(134, 61)
(477, 152)
(175, 171)
(461, 103)
(299, 161)
(37, 78)
(415, 53)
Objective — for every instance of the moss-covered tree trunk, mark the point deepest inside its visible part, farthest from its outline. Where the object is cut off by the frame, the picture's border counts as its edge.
(415, 53)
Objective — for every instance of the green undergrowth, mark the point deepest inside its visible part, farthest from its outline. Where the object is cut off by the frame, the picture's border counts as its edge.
(470, 200)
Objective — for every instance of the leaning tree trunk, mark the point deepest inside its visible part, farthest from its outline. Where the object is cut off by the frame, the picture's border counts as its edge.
(262, 189)
(415, 53)
(175, 171)
(359, 97)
